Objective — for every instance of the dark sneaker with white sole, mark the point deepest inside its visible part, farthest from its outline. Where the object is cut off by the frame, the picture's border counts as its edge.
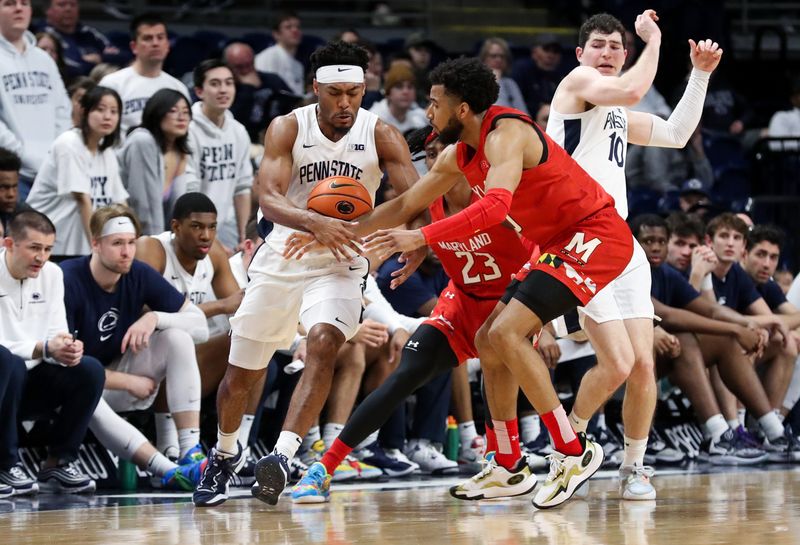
(65, 479)
(19, 480)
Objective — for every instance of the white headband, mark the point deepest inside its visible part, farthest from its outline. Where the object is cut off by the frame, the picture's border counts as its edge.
(117, 225)
(340, 73)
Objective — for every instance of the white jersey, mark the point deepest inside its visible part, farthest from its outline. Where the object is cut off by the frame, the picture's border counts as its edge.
(315, 157)
(597, 139)
(197, 287)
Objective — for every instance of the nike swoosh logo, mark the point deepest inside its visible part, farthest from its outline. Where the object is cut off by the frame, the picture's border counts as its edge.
(342, 69)
(353, 268)
(175, 277)
(341, 322)
(309, 145)
(104, 338)
(334, 185)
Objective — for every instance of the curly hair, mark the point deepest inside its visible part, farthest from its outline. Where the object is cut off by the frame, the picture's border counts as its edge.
(339, 52)
(467, 79)
(769, 233)
(603, 23)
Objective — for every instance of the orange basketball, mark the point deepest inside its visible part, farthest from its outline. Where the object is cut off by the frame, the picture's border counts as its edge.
(340, 197)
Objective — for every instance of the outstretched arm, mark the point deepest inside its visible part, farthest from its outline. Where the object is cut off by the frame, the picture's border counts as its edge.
(650, 130)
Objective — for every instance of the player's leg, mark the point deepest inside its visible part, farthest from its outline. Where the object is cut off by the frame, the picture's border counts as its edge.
(539, 299)
(778, 362)
(426, 355)
(472, 447)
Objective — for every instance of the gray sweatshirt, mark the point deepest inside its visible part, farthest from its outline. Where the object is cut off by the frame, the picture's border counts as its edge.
(141, 166)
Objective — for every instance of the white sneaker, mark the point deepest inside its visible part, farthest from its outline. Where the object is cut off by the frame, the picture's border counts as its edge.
(635, 483)
(473, 452)
(430, 458)
(494, 481)
(400, 456)
(567, 473)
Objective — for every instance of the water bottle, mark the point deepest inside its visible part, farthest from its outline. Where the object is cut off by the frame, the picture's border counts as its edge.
(451, 448)
(128, 475)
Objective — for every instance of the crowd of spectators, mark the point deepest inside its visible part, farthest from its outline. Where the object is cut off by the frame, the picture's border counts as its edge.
(100, 146)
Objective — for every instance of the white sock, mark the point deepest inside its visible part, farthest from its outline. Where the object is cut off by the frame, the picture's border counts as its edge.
(733, 424)
(166, 434)
(601, 421)
(158, 465)
(188, 438)
(311, 437)
(226, 443)
(529, 428)
(244, 428)
(330, 432)
(741, 414)
(634, 451)
(780, 416)
(371, 438)
(715, 426)
(287, 444)
(467, 432)
(771, 426)
(578, 424)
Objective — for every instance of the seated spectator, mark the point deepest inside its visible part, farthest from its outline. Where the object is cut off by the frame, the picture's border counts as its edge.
(260, 96)
(33, 111)
(419, 48)
(349, 35)
(373, 77)
(43, 365)
(137, 83)
(105, 296)
(694, 332)
(786, 124)
(399, 108)
(220, 149)
(76, 91)
(539, 75)
(496, 55)
(83, 46)
(280, 58)
(52, 46)
(9, 188)
(784, 278)
(102, 70)
(543, 115)
(694, 197)
(81, 173)
(154, 161)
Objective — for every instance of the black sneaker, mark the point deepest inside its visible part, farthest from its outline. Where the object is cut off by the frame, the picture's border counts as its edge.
(246, 475)
(783, 449)
(272, 474)
(729, 450)
(18, 479)
(66, 478)
(612, 448)
(659, 453)
(213, 486)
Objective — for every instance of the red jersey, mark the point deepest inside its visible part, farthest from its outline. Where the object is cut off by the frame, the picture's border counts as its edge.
(551, 197)
(481, 264)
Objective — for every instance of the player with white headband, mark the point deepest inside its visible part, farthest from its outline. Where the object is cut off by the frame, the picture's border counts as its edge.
(105, 294)
(323, 290)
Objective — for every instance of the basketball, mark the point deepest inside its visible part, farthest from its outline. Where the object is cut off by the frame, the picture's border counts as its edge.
(340, 197)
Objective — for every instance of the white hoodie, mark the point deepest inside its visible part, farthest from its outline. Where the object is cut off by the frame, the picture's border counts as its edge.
(34, 106)
(221, 157)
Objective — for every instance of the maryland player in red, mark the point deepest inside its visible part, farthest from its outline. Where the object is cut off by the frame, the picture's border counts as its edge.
(480, 266)
(520, 172)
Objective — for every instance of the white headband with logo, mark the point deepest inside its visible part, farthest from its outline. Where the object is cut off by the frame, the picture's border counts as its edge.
(117, 225)
(340, 73)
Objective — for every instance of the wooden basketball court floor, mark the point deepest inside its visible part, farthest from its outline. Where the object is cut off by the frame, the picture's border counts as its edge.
(742, 507)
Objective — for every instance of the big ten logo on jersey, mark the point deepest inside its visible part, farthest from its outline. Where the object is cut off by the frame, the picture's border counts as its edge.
(217, 163)
(356, 147)
(319, 170)
(509, 221)
(99, 196)
(616, 119)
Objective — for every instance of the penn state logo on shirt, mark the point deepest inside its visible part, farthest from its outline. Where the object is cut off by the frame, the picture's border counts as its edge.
(108, 323)
(36, 298)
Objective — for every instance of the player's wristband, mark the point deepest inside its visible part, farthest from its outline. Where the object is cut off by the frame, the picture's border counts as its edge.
(491, 210)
